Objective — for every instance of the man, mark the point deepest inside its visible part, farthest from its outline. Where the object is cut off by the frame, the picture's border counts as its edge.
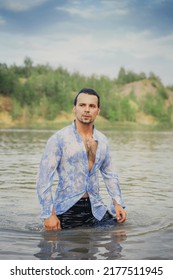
(77, 153)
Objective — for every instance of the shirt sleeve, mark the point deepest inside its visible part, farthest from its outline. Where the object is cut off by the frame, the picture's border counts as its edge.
(48, 165)
(111, 179)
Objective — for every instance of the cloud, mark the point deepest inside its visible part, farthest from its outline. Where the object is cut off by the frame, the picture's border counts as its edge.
(142, 45)
(74, 11)
(115, 8)
(104, 9)
(2, 21)
(89, 36)
(20, 5)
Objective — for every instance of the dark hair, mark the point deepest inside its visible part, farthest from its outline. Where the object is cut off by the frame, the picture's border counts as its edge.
(87, 91)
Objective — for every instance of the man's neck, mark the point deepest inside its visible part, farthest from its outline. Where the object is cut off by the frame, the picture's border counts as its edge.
(84, 129)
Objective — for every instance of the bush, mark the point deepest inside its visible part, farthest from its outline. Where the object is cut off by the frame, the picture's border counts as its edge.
(154, 105)
(16, 111)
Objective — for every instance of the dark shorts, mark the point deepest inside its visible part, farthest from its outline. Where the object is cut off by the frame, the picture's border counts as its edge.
(80, 215)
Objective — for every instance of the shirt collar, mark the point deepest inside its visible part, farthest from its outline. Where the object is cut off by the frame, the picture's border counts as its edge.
(94, 130)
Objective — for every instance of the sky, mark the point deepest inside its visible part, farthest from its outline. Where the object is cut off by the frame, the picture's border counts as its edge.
(90, 37)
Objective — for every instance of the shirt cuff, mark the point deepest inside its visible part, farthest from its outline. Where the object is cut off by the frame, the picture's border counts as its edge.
(46, 213)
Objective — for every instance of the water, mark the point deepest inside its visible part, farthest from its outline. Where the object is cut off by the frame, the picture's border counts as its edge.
(144, 162)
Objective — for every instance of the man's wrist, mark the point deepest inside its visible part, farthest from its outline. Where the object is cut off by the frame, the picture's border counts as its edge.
(115, 202)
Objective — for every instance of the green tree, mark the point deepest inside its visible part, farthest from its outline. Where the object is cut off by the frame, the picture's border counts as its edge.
(121, 79)
(28, 64)
(8, 80)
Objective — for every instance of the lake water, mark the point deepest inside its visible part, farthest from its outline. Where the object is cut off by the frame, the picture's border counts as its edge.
(144, 163)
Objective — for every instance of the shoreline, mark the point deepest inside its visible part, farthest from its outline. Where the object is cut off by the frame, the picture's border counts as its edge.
(100, 123)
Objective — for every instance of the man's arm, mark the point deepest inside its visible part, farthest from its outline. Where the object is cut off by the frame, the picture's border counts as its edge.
(45, 177)
(113, 186)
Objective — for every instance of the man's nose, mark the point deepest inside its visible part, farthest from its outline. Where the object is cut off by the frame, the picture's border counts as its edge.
(87, 108)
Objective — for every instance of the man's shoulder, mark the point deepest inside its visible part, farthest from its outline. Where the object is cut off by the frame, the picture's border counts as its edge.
(101, 135)
(61, 133)
(64, 131)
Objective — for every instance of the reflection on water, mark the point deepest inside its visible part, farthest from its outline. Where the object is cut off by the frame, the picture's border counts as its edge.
(90, 244)
(143, 160)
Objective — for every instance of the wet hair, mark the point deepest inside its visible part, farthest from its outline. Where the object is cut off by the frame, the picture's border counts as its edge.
(89, 91)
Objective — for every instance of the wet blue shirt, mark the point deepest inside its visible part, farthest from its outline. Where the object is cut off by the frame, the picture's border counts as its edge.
(65, 153)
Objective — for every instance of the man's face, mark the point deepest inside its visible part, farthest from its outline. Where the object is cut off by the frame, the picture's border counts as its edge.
(86, 109)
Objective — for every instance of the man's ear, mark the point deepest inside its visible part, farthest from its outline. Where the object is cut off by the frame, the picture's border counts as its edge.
(74, 109)
(98, 111)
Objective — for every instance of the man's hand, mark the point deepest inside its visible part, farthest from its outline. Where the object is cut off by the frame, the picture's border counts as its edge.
(52, 223)
(120, 213)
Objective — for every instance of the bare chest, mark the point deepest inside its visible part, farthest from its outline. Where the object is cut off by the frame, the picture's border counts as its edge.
(91, 149)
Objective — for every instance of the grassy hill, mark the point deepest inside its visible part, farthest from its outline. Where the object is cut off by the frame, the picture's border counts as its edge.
(151, 100)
